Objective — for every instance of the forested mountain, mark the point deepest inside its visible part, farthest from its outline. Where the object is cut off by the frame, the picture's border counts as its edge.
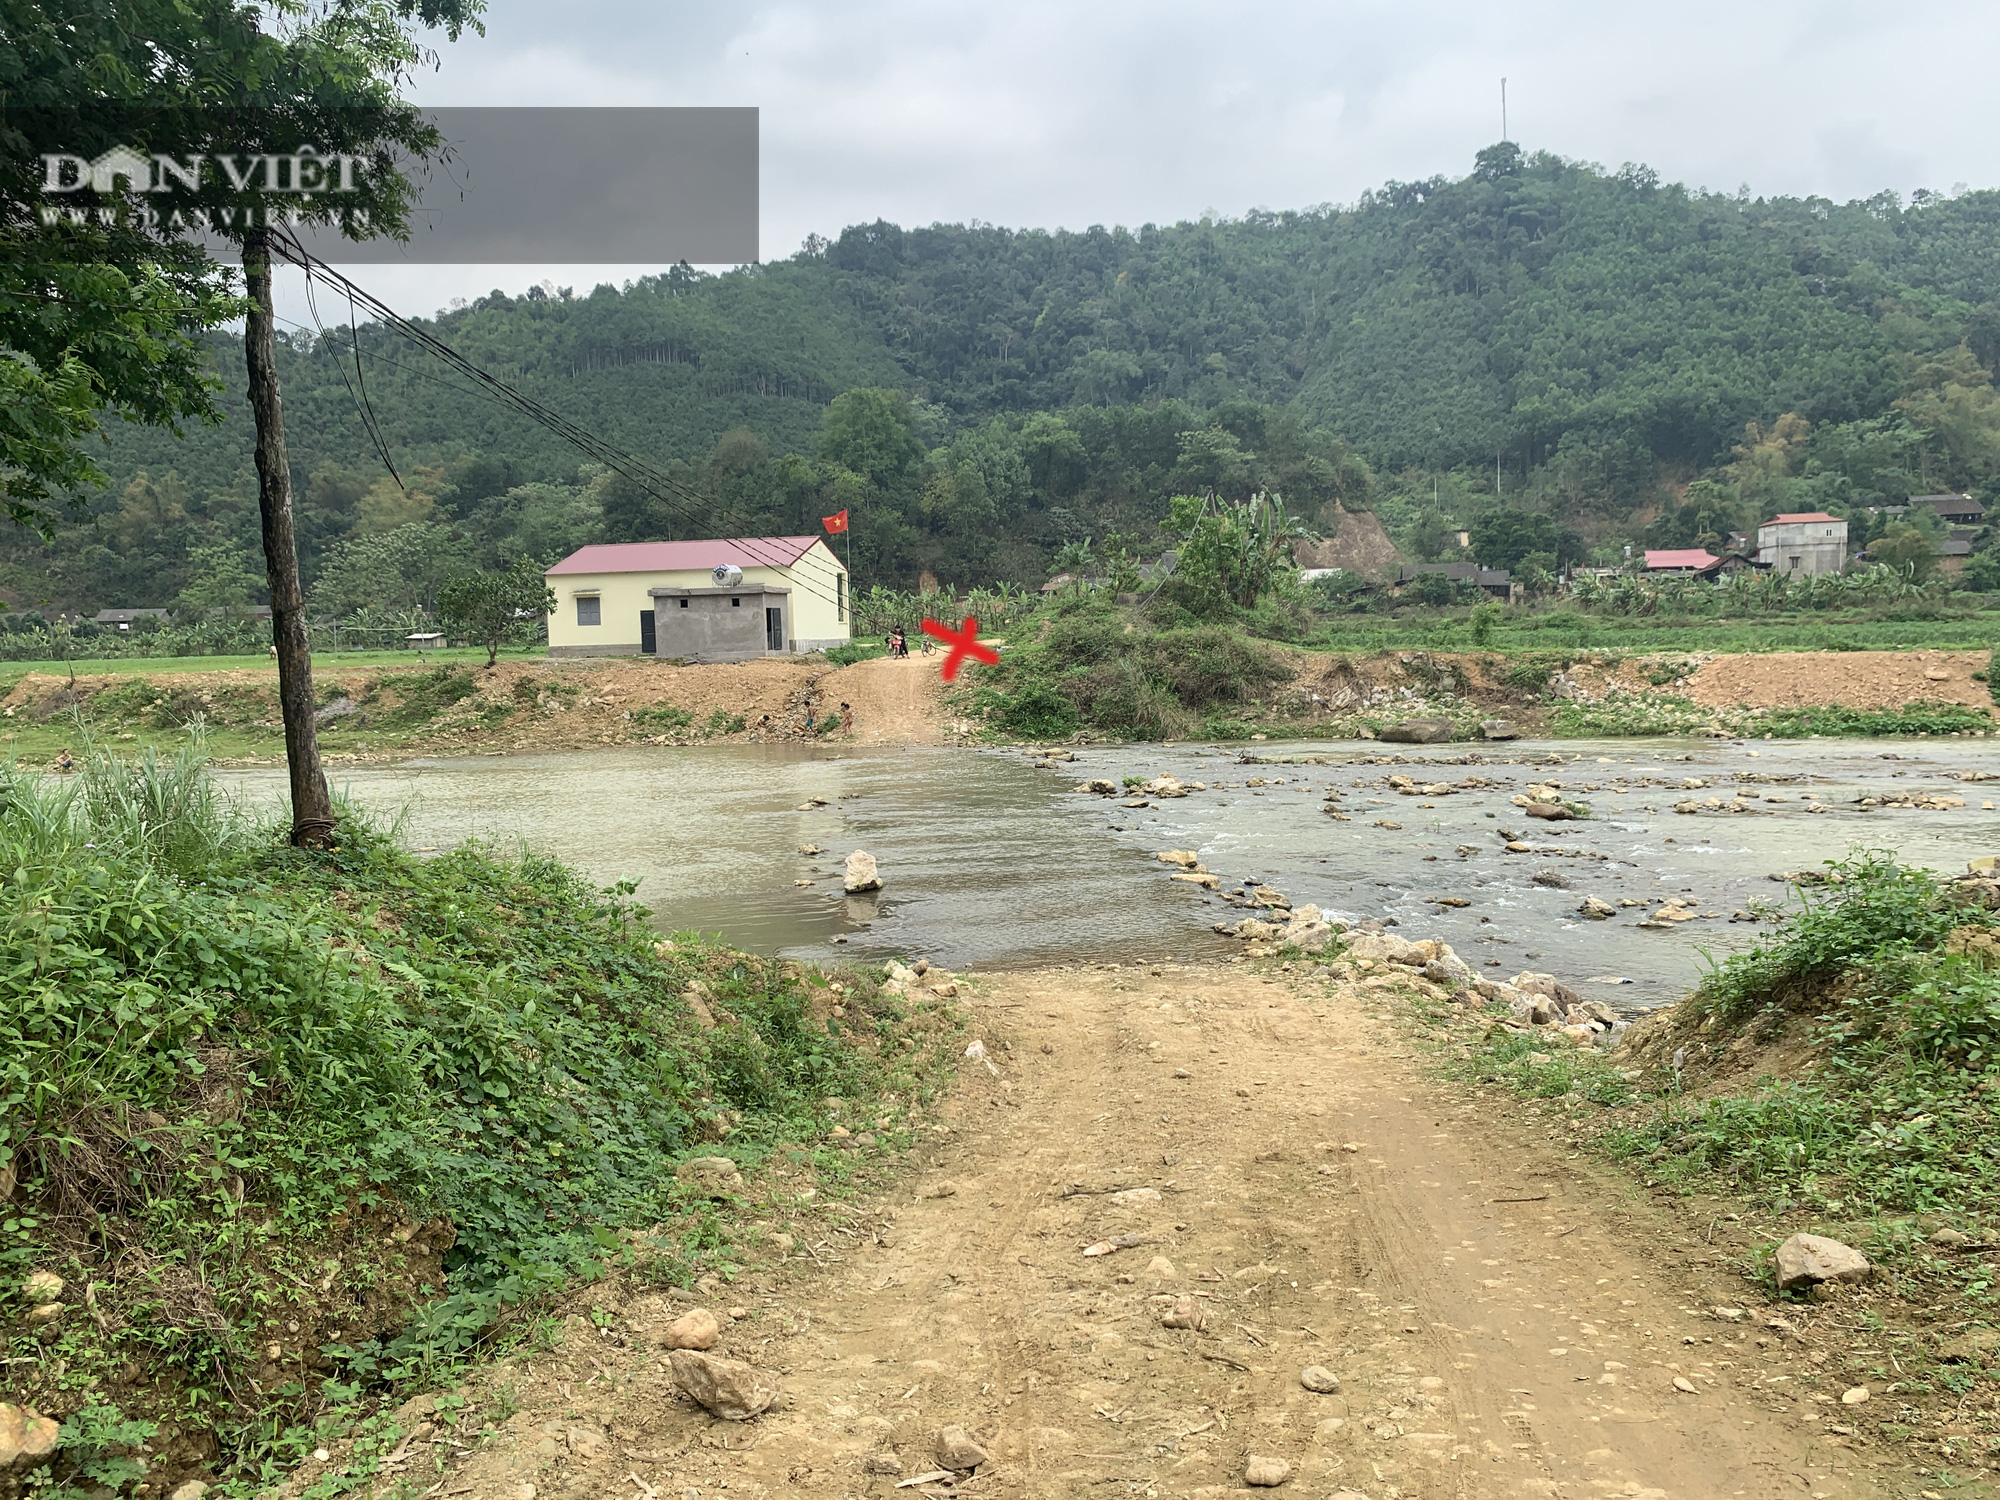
(1589, 342)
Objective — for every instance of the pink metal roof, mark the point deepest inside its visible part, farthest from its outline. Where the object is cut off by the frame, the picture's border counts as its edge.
(671, 557)
(1680, 557)
(1804, 515)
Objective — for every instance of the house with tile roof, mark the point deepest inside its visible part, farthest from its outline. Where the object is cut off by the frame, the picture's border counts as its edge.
(1803, 542)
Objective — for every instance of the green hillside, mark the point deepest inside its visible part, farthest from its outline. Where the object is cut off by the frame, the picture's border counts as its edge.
(979, 397)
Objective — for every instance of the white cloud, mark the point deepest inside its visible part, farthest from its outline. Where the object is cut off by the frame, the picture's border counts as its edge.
(1047, 114)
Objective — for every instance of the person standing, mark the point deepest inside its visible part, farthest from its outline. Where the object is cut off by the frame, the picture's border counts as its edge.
(847, 717)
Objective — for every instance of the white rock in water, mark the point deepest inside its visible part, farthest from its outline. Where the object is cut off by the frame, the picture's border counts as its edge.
(861, 873)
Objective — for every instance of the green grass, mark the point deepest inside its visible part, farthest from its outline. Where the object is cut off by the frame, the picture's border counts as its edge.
(1563, 629)
(84, 666)
(257, 1062)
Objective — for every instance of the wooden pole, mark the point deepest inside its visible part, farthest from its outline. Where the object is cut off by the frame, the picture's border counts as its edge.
(312, 802)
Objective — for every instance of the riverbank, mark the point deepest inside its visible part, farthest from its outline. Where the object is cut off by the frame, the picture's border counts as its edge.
(288, 1132)
(372, 712)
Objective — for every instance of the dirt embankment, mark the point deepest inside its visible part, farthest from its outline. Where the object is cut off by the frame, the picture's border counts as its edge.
(516, 706)
(543, 705)
(1853, 679)
(1172, 1192)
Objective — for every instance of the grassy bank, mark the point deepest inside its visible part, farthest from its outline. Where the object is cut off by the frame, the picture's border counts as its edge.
(1839, 1079)
(296, 1132)
(1085, 667)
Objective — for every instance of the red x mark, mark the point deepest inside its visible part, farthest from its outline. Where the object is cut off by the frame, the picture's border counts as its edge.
(963, 642)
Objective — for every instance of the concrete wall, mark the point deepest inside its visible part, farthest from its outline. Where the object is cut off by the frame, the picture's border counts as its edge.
(713, 624)
(819, 615)
(1817, 546)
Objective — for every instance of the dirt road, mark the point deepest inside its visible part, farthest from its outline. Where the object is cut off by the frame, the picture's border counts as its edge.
(1501, 1323)
(894, 702)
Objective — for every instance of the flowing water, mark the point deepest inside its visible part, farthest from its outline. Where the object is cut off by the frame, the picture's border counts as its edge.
(990, 862)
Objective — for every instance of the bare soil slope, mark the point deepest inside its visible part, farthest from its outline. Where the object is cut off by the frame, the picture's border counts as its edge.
(1502, 1324)
(1852, 679)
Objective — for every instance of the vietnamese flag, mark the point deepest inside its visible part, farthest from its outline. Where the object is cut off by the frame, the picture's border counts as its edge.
(834, 524)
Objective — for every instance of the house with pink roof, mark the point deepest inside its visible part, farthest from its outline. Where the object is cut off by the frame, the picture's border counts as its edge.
(727, 599)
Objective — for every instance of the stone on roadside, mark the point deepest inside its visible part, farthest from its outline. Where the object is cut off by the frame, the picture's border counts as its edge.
(27, 1439)
(42, 1286)
(1161, 1267)
(728, 1388)
(1181, 1312)
(861, 873)
(715, 1175)
(956, 1449)
(695, 1329)
(1319, 1378)
(1811, 1260)
(1264, 1472)
(883, 1463)
(1976, 1346)
(193, 1489)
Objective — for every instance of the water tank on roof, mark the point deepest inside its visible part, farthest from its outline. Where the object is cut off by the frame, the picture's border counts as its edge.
(727, 575)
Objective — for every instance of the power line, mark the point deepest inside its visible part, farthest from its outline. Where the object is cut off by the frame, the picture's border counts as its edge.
(651, 480)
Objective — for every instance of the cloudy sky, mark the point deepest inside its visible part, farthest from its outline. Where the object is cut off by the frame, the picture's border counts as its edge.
(1120, 112)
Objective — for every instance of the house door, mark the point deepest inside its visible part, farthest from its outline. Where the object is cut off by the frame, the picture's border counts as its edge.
(774, 628)
(649, 641)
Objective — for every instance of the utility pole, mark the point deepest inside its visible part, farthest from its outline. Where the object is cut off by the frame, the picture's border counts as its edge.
(312, 802)
(1503, 109)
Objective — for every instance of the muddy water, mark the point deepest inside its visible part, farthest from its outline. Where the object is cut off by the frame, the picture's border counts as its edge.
(983, 865)
(990, 862)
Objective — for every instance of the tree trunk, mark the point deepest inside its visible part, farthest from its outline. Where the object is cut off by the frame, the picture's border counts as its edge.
(312, 803)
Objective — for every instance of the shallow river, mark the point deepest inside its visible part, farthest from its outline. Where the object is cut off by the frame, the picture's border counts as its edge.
(989, 862)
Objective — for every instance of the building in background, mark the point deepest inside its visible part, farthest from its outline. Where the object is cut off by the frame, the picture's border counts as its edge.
(1679, 560)
(1803, 542)
(724, 600)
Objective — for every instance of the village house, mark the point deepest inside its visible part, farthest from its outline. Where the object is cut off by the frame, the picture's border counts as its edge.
(1679, 560)
(1803, 542)
(1495, 581)
(720, 600)
(1953, 510)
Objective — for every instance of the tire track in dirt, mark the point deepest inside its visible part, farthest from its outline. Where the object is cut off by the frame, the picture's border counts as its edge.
(1495, 1317)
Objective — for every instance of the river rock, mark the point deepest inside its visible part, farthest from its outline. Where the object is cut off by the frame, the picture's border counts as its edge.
(697, 1328)
(1387, 947)
(1811, 1259)
(729, 1388)
(1449, 970)
(1552, 812)
(1547, 985)
(714, 1175)
(1416, 732)
(1498, 729)
(861, 873)
(1596, 908)
(1319, 1378)
(956, 1449)
(27, 1440)
(1165, 786)
(1265, 1472)
(1187, 859)
(1102, 786)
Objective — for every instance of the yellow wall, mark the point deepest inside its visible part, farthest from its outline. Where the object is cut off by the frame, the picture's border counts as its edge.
(812, 619)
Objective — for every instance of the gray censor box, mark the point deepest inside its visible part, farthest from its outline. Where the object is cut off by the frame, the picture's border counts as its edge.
(576, 187)
(520, 186)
